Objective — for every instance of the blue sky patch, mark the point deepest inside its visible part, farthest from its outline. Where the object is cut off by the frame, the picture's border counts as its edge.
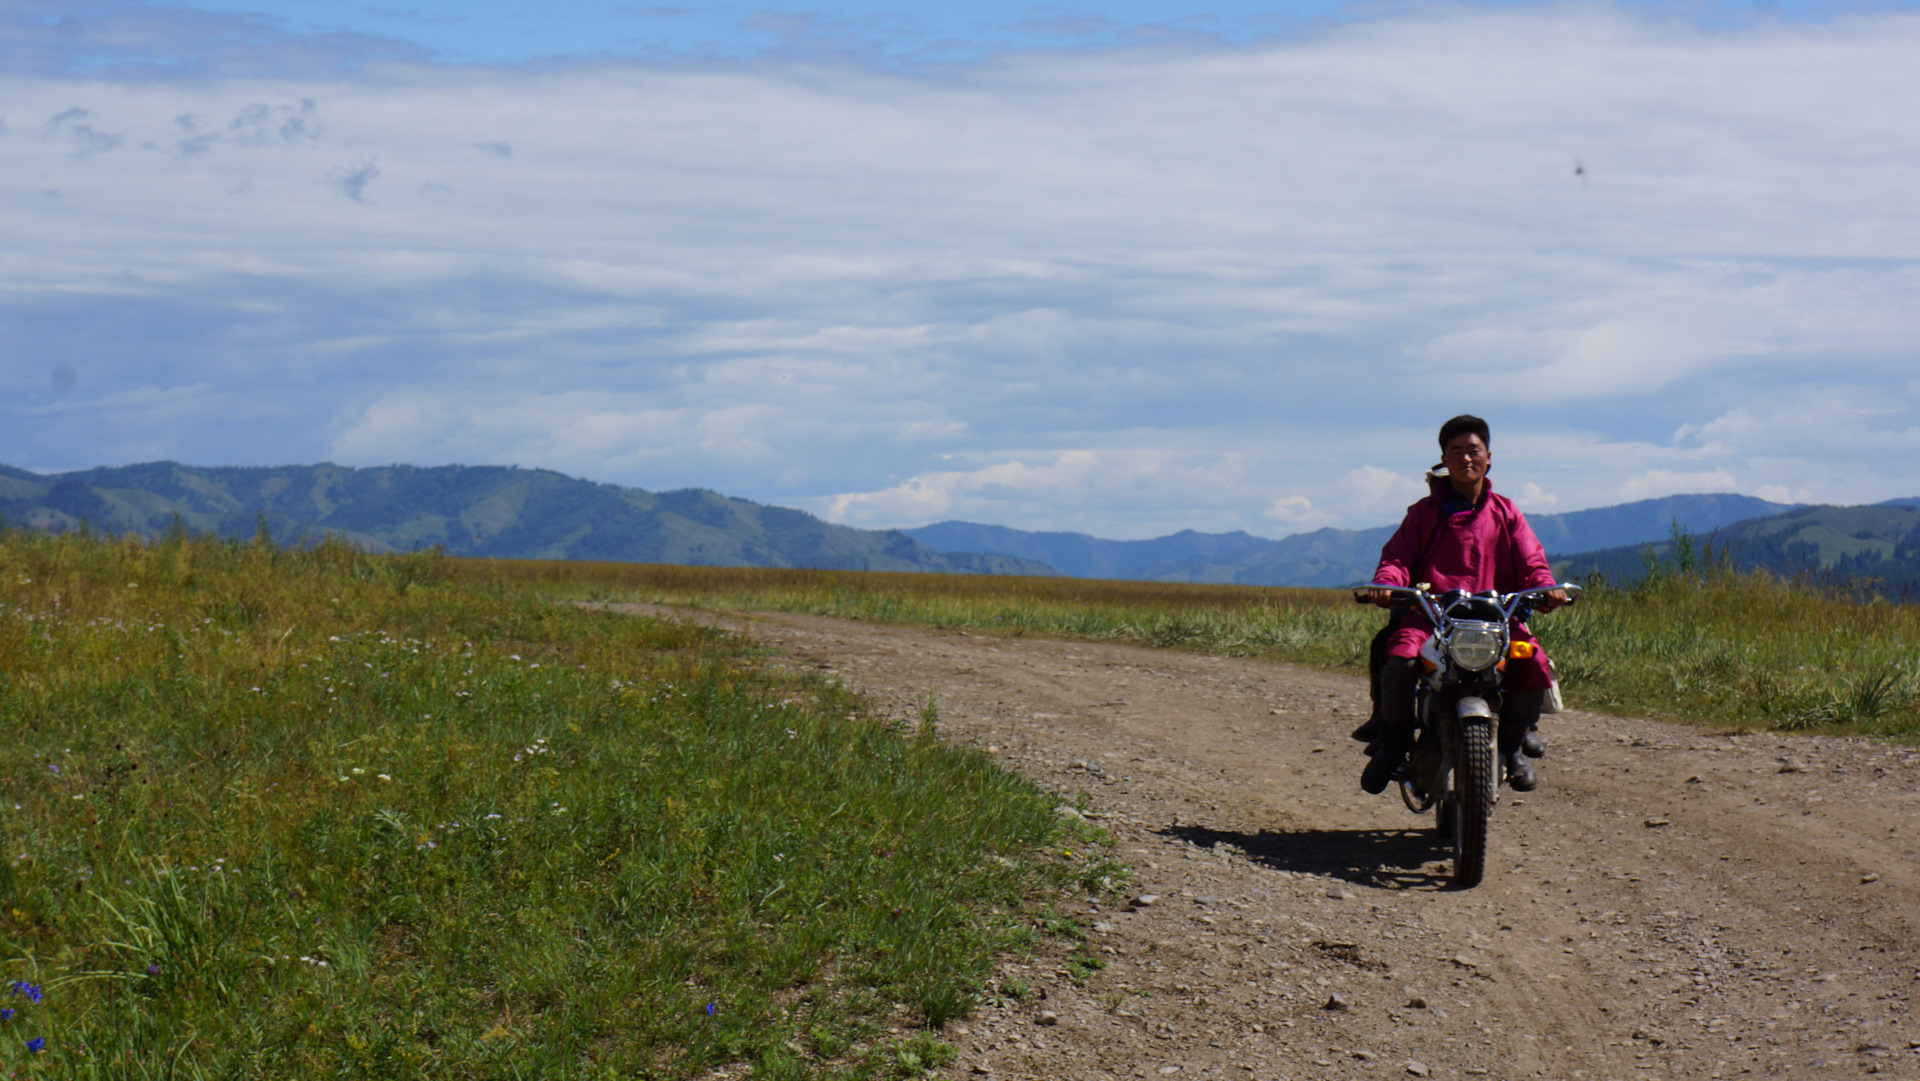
(1125, 269)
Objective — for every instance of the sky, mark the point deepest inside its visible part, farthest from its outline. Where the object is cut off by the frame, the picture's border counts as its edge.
(1123, 268)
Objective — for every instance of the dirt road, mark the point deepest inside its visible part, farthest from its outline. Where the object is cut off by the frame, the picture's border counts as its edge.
(1670, 903)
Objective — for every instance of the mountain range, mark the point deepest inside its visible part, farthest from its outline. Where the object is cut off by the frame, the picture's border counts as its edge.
(498, 511)
(508, 512)
(1324, 557)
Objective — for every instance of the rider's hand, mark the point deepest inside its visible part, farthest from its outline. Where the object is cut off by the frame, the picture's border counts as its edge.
(1380, 597)
(1553, 600)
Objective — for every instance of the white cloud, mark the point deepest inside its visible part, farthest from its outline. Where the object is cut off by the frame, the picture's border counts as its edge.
(1034, 490)
(1780, 493)
(933, 495)
(1777, 429)
(1374, 493)
(573, 431)
(1120, 291)
(1829, 445)
(1655, 483)
(1297, 512)
(1535, 498)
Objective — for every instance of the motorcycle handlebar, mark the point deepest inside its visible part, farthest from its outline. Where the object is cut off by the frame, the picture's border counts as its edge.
(1510, 602)
(1364, 594)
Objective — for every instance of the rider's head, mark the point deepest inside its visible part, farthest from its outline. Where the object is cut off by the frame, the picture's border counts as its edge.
(1464, 424)
(1464, 450)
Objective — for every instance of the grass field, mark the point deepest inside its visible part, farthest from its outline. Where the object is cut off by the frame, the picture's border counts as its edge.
(273, 814)
(1708, 646)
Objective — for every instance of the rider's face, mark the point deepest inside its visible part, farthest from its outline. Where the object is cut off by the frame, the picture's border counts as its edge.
(1466, 458)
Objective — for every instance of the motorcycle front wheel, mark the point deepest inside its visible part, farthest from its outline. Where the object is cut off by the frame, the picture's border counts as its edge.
(1473, 801)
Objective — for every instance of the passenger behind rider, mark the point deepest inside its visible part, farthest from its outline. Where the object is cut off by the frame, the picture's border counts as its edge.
(1461, 536)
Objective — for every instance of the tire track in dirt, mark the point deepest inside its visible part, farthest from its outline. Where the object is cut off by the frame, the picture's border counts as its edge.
(1671, 903)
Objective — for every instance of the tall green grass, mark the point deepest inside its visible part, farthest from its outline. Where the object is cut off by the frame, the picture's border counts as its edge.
(310, 813)
(1691, 641)
(1746, 650)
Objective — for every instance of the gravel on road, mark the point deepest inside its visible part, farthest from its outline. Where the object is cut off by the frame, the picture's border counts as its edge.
(1672, 902)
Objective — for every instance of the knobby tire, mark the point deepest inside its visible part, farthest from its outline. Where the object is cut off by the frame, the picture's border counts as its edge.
(1476, 776)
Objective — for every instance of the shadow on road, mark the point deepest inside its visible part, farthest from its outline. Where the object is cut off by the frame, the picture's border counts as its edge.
(1378, 859)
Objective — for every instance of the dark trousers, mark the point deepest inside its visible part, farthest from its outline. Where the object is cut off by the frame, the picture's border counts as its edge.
(1519, 710)
(1377, 659)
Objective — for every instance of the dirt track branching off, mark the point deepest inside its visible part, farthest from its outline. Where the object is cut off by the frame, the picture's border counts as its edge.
(1709, 645)
(1672, 902)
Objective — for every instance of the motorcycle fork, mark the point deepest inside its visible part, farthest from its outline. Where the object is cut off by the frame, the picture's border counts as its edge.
(1441, 713)
(1449, 728)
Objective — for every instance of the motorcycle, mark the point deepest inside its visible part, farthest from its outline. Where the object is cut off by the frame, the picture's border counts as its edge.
(1452, 767)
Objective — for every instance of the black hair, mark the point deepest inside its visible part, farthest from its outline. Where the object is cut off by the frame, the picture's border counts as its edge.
(1464, 424)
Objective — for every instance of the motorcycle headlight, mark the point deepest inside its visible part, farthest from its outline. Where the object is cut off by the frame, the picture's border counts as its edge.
(1475, 646)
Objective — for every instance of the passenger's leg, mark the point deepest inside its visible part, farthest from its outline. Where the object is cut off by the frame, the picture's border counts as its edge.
(1519, 712)
(1376, 657)
(1397, 679)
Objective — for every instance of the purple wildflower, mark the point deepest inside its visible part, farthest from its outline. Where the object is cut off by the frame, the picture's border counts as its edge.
(710, 1007)
(153, 970)
(6, 1015)
(34, 1045)
(28, 991)
(54, 768)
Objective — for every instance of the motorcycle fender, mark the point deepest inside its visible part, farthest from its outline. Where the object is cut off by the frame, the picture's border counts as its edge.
(1473, 706)
(1431, 654)
(1431, 651)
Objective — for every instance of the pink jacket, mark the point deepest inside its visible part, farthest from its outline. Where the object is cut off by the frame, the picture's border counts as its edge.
(1488, 547)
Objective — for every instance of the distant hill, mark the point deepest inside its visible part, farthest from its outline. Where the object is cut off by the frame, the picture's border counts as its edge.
(470, 511)
(1645, 520)
(1324, 557)
(1078, 555)
(1840, 544)
(507, 512)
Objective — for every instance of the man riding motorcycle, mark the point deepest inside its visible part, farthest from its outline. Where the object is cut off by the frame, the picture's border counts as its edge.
(1462, 536)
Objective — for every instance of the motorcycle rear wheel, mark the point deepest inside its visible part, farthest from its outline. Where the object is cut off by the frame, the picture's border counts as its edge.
(1473, 801)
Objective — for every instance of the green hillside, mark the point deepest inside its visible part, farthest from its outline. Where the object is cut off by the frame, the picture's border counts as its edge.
(1836, 545)
(497, 511)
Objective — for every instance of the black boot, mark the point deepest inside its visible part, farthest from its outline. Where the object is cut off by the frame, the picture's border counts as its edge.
(1520, 774)
(1395, 733)
(1519, 712)
(1369, 731)
(1382, 766)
